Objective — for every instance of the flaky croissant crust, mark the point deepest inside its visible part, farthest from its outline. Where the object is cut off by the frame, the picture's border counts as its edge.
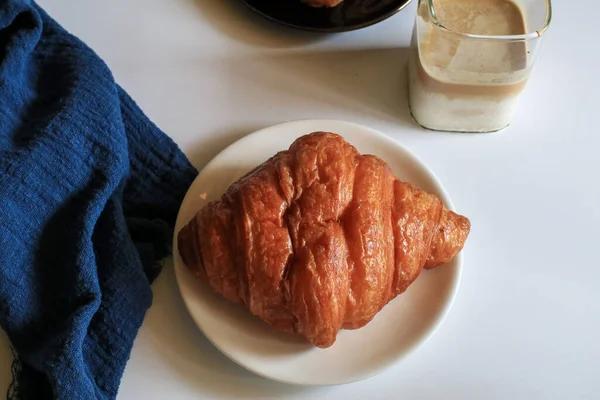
(322, 3)
(319, 238)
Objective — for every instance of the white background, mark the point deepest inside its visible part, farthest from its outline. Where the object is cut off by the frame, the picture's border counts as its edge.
(527, 317)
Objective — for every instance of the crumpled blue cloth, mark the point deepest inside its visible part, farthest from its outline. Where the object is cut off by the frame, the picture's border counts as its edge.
(89, 192)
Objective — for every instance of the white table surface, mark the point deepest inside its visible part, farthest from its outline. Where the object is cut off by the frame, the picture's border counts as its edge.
(527, 317)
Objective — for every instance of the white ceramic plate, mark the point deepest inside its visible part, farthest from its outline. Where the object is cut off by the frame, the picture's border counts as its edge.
(404, 324)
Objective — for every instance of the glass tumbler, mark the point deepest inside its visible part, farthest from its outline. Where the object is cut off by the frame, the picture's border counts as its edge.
(470, 60)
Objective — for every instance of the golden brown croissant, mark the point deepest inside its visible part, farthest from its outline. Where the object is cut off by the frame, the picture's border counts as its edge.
(319, 238)
(322, 3)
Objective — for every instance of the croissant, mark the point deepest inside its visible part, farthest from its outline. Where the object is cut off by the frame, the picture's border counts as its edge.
(322, 3)
(319, 238)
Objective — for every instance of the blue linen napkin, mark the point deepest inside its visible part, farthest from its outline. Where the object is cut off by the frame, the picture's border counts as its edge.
(89, 192)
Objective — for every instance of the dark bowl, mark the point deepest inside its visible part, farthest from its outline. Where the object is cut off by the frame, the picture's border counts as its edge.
(347, 16)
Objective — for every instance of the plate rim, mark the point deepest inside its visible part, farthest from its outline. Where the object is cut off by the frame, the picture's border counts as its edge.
(328, 30)
(419, 343)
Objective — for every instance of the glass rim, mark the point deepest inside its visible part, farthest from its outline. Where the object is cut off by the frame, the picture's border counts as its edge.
(525, 36)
